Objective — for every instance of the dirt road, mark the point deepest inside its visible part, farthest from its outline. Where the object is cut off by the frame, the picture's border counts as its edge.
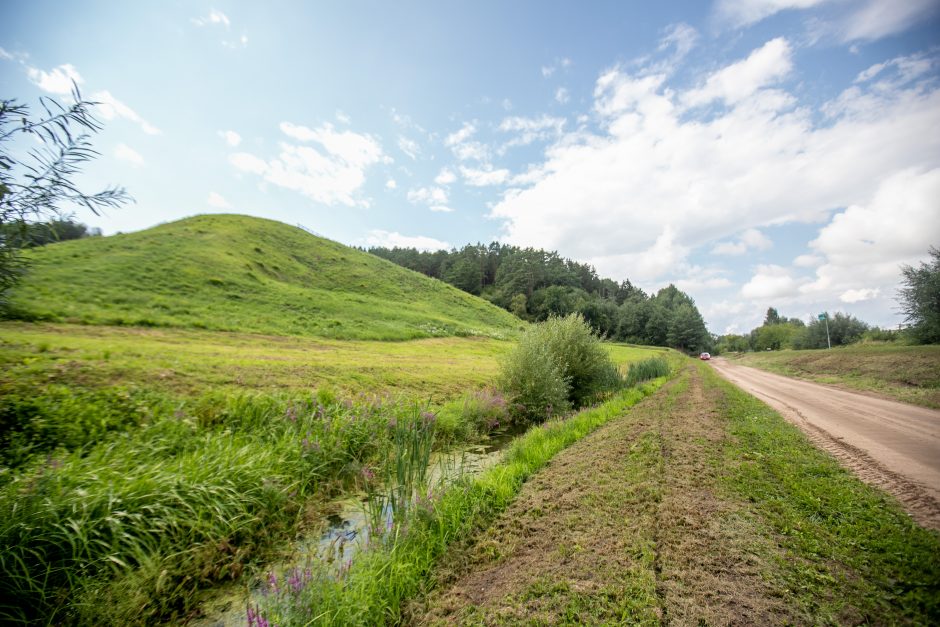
(893, 446)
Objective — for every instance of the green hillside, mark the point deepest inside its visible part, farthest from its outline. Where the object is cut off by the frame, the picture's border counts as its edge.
(239, 273)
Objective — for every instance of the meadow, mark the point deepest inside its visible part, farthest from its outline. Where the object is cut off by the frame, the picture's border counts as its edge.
(910, 374)
(144, 466)
(246, 275)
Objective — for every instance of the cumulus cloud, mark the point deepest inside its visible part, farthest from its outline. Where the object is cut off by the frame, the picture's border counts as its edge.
(391, 184)
(393, 239)
(526, 130)
(231, 138)
(445, 177)
(561, 95)
(332, 172)
(771, 282)
(217, 201)
(657, 180)
(57, 81)
(460, 136)
(732, 84)
(128, 155)
(857, 296)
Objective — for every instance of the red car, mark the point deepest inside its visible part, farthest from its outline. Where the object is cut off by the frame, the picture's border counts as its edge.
(704, 356)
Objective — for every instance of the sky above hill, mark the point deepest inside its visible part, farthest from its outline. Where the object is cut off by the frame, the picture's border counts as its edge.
(755, 153)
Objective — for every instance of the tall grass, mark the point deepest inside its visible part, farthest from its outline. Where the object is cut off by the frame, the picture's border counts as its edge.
(373, 589)
(133, 530)
(647, 370)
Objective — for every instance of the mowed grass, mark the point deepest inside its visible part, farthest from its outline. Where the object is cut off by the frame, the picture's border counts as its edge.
(245, 274)
(910, 374)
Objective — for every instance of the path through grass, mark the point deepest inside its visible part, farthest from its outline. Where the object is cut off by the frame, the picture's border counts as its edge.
(700, 506)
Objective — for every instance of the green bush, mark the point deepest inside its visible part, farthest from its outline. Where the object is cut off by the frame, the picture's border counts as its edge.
(647, 370)
(558, 364)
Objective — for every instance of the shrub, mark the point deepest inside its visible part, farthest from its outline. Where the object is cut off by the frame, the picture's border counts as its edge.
(646, 370)
(558, 364)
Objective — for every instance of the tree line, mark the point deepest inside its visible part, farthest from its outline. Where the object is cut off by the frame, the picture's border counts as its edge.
(535, 284)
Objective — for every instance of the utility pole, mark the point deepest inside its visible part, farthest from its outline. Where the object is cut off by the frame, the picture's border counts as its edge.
(825, 317)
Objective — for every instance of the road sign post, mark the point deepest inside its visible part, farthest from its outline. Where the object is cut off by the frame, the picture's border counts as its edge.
(825, 317)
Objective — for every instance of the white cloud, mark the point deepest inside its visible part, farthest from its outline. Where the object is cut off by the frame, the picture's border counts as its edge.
(681, 37)
(248, 163)
(6, 56)
(561, 95)
(217, 201)
(864, 245)
(428, 195)
(770, 282)
(231, 138)
(392, 239)
(485, 176)
(391, 184)
(857, 296)
(129, 155)
(471, 151)
(662, 179)
(57, 81)
(528, 130)
(547, 70)
(408, 146)
(808, 261)
(215, 17)
(342, 117)
(732, 84)
(332, 173)
(750, 239)
(441, 208)
(880, 18)
(445, 177)
(110, 107)
(458, 137)
(746, 12)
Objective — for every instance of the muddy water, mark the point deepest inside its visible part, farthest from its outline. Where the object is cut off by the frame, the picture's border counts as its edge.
(345, 531)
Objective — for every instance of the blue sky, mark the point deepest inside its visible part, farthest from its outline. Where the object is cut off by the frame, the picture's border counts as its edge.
(754, 152)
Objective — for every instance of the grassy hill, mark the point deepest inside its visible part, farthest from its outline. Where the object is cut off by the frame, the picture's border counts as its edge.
(910, 374)
(239, 273)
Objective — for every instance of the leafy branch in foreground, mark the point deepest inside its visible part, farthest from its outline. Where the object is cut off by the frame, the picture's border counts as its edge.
(37, 184)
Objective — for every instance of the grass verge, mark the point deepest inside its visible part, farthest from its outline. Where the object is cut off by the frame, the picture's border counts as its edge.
(398, 566)
(849, 554)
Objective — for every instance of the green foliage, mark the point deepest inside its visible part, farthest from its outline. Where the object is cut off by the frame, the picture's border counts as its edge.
(776, 336)
(557, 365)
(375, 588)
(129, 531)
(537, 284)
(36, 184)
(223, 272)
(844, 329)
(646, 370)
(919, 297)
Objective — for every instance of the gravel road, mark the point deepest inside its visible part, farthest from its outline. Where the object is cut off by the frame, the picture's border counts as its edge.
(893, 446)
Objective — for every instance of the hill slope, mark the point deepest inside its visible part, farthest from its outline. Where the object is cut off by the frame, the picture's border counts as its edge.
(239, 273)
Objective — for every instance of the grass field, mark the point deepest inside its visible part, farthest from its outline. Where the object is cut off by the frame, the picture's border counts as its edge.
(910, 374)
(248, 275)
(140, 466)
